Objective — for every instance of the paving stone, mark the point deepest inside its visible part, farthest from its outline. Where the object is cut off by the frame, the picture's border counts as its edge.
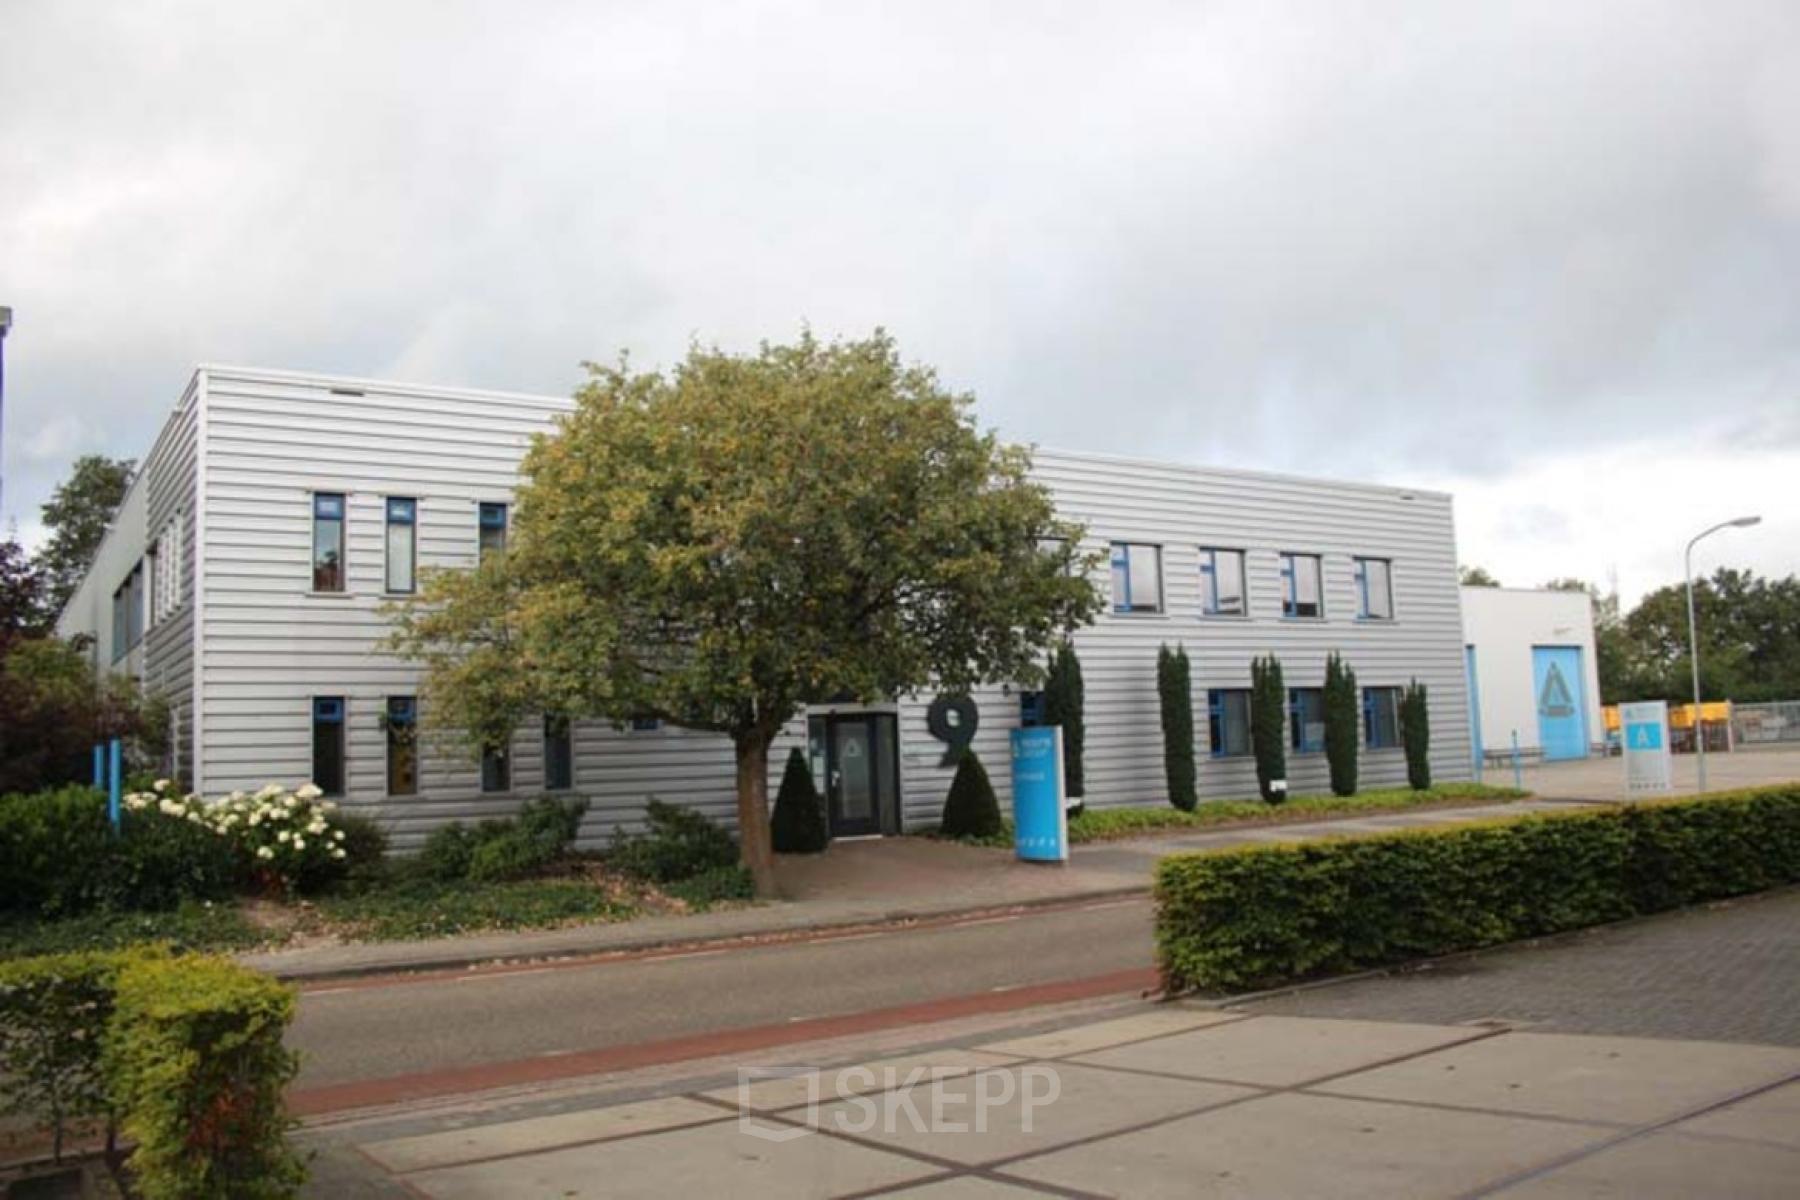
(1771, 1117)
(1078, 1039)
(539, 1133)
(1299, 1145)
(713, 1160)
(967, 1187)
(1671, 1166)
(1277, 1051)
(833, 1082)
(1086, 1102)
(1632, 1080)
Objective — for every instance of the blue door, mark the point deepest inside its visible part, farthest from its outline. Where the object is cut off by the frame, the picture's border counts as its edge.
(1562, 717)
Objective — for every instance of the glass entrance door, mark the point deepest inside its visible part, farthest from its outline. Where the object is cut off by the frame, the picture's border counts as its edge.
(855, 762)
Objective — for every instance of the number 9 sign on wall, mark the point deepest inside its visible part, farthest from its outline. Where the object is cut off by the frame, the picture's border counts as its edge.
(1040, 822)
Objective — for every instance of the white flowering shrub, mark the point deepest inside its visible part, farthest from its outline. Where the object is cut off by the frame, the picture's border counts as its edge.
(287, 838)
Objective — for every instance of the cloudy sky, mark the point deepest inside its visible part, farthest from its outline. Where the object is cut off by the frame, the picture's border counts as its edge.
(1545, 255)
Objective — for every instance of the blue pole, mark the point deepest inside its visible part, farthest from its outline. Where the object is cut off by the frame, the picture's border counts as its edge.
(112, 793)
(99, 766)
(1518, 779)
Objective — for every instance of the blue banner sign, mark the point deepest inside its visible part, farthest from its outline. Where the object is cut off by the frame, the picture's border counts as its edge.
(1040, 824)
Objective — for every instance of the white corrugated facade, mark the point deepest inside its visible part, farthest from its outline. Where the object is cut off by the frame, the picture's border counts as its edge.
(250, 644)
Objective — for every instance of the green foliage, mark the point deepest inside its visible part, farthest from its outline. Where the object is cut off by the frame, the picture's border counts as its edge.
(76, 517)
(196, 925)
(52, 1012)
(447, 851)
(1343, 724)
(1268, 726)
(543, 831)
(1476, 577)
(1065, 704)
(715, 885)
(677, 843)
(1415, 734)
(414, 906)
(24, 596)
(1267, 914)
(196, 1067)
(365, 843)
(158, 862)
(56, 708)
(50, 846)
(799, 825)
(1175, 693)
(718, 545)
(971, 809)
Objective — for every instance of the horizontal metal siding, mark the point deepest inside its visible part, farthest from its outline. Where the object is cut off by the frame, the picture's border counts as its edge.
(169, 644)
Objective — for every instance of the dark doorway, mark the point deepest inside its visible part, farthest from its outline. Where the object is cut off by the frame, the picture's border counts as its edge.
(855, 761)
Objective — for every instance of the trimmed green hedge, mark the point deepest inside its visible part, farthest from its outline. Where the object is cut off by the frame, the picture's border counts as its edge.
(1264, 915)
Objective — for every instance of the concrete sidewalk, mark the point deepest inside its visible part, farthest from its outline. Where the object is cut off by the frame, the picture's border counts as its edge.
(1175, 1100)
(857, 883)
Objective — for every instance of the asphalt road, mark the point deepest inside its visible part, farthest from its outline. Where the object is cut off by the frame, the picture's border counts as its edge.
(357, 1032)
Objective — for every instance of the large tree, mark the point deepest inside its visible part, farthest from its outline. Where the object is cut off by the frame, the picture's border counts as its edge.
(720, 545)
(24, 605)
(76, 516)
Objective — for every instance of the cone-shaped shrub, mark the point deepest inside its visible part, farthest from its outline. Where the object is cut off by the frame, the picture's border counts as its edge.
(1268, 731)
(971, 809)
(1342, 725)
(798, 824)
(1174, 687)
(1415, 735)
(1064, 703)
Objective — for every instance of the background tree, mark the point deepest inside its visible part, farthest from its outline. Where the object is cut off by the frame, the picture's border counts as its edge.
(1343, 724)
(1476, 577)
(1175, 690)
(718, 546)
(1415, 735)
(799, 825)
(1268, 729)
(24, 596)
(76, 517)
(56, 708)
(1065, 704)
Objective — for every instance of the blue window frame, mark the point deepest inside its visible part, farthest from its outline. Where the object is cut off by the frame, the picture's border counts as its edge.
(1306, 720)
(1381, 718)
(492, 530)
(1374, 589)
(1302, 589)
(1228, 721)
(1137, 577)
(402, 746)
(402, 544)
(328, 744)
(1222, 583)
(328, 541)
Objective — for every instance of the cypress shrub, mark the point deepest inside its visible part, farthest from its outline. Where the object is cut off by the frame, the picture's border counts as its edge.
(798, 825)
(971, 809)
(1342, 725)
(1415, 735)
(1268, 731)
(1174, 687)
(1064, 704)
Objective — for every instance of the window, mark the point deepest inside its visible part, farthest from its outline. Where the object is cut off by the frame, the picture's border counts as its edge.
(493, 530)
(496, 769)
(1300, 595)
(646, 724)
(1306, 719)
(1374, 589)
(128, 613)
(402, 542)
(328, 744)
(402, 746)
(1381, 718)
(1031, 709)
(328, 542)
(1222, 583)
(1228, 719)
(165, 573)
(1137, 577)
(559, 755)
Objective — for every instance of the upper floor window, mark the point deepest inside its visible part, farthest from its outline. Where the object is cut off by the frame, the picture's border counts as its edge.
(165, 572)
(328, 744)
(328, 542)
(128, 613)
(1228, 721)
(559, 754)
(402, 746)
(1306, 719)
(1374, 589)
(493, 530)
(1381, 717)
(1137, 577)
(402, 543)
(1301, 594)
(646, 724)
(1222, 583)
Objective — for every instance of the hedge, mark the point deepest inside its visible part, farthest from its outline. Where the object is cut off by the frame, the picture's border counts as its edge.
(1263, 915)
(183, 1052)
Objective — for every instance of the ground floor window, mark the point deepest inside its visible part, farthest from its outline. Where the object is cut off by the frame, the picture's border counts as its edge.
(1381, 718)
(496, 769)
(402, 746)
(1306, 719)
(1228, 718)
(559, 755)
(328, 744)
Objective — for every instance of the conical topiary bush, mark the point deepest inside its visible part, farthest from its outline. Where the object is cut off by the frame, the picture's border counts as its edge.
(798, 825)
(971, 810)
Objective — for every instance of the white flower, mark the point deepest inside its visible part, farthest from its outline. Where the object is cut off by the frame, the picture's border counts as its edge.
(194, 816)
(316, 828)
(307, 791)
(338, 853)
(299, 842)
(162, 785)
(263, 852)
(338, 834)
(253, 820)
(170, 808)
(284, 835)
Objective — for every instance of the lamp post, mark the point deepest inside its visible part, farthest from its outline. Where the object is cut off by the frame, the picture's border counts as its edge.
(1694, 636)
(5, 325)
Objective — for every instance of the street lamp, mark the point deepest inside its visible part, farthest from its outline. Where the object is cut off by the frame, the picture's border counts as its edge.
(5, 324)
(1694, 637)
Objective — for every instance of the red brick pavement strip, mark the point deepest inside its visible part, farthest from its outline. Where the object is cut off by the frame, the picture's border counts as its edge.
(400, 1089)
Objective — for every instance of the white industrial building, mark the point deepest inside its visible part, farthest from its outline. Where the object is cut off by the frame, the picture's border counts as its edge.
(1531, 666)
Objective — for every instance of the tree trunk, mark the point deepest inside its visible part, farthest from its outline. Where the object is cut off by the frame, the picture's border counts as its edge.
(753, 811)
